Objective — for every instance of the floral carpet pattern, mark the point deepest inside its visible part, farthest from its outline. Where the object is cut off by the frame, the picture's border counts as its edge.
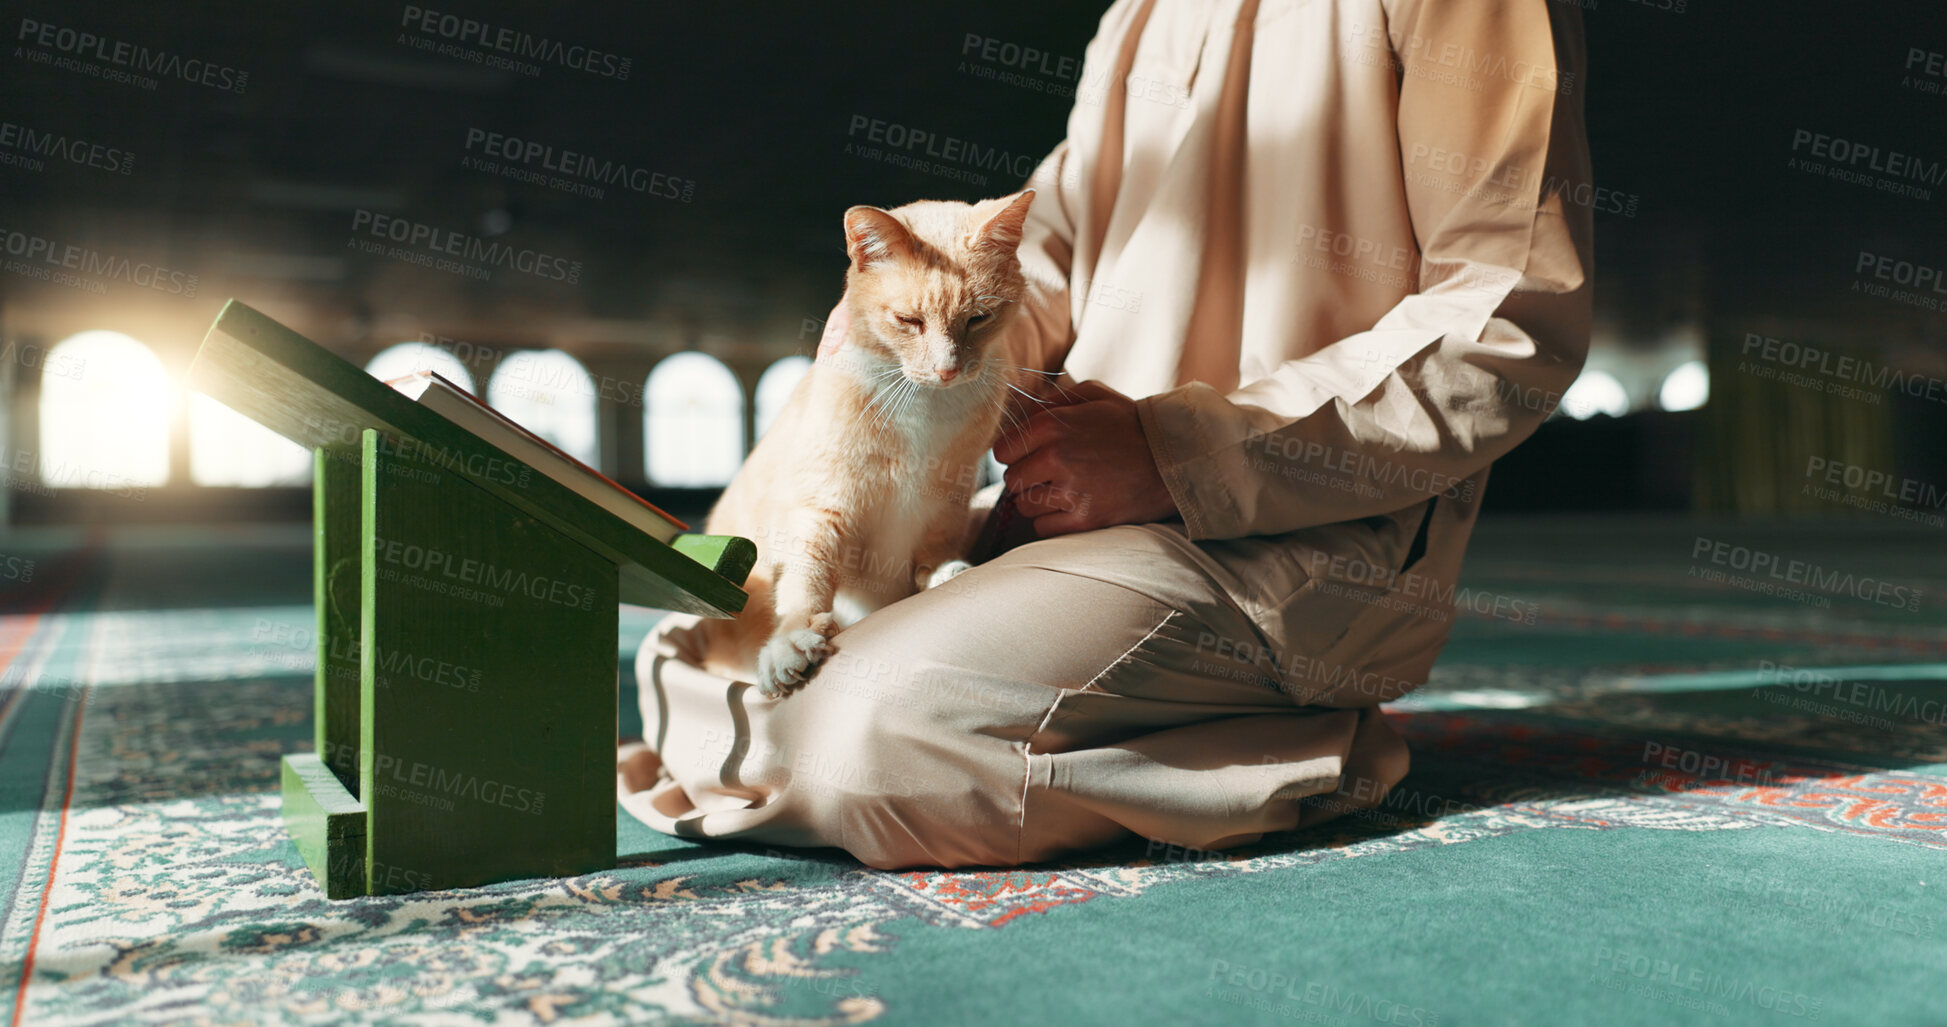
(145, 876)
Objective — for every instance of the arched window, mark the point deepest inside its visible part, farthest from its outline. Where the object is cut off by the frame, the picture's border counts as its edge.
(1595, 392)
(548, 393)
(1686, 388)
(774, 389)
(105, 406)
(693, 422)
(227, 448)
(407, 357)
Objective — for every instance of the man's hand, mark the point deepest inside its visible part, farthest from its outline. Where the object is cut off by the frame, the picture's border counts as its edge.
(1082, 463)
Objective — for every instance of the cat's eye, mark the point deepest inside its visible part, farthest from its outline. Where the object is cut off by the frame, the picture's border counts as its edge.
(978, 319)
(910, 321)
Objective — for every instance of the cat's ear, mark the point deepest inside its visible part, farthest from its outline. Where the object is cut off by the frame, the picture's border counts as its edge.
(873, 236)
(997, 223)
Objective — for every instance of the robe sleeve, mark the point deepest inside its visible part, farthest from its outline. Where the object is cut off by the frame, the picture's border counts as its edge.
(1043, 327)
(1458, 372)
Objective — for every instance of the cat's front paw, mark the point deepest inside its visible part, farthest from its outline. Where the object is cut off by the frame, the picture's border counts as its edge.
(947, 572)
(791, 654)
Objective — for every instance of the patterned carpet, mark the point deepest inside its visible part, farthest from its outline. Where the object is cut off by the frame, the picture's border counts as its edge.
(1668, 796)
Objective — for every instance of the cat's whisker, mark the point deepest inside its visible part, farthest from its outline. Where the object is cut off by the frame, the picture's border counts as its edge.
(912, 395)
(888, 412)
(886, 393)
(902, 397)
(1031, 396)
(1049, 376)
(1012, 420)
(883, 417)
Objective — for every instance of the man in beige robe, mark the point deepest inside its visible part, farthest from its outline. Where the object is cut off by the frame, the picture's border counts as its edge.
(1331, 249)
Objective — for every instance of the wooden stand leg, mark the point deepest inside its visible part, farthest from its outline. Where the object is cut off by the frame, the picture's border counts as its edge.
(335, 514)
(488, 684)
(321, 805)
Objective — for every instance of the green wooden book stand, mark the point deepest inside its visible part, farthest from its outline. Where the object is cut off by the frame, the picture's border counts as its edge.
(466, 605)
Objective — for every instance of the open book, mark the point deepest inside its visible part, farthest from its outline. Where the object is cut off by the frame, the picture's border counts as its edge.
(459, 406)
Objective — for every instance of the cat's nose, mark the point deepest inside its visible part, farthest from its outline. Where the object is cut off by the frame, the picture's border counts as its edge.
(948, 374)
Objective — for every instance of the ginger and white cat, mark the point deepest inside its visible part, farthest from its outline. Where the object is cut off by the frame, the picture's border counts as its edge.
(857, 495)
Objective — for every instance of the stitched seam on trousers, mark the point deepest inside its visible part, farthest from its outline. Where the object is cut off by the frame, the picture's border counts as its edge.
(1197, 558)
(1131, 589)
(1027, 746)
(1113, 664)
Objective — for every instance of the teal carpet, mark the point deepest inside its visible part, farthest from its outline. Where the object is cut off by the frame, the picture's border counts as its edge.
(1666, 798)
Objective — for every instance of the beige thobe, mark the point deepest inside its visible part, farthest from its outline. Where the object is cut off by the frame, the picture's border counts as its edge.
(1340, 250)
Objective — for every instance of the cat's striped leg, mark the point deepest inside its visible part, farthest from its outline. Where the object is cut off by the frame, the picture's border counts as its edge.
(806, 584)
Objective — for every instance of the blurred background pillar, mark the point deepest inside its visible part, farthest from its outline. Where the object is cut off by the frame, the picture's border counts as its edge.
(9, 472)
(1768, 417)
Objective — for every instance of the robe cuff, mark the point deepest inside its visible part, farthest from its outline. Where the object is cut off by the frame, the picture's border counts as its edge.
(1170, 426)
